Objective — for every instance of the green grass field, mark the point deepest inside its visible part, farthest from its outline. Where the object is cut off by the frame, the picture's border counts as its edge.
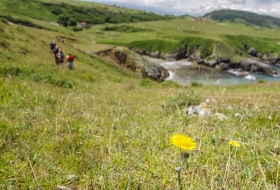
(102, 127)
(227, 38)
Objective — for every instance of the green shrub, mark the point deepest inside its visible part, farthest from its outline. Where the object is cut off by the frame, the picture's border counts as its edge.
(261, 81)
(77, 29)
(196, 84)
(57, 10)
(72, 22)
(63, 20)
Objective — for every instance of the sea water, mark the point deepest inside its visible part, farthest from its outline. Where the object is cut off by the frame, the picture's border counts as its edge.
(184, 72)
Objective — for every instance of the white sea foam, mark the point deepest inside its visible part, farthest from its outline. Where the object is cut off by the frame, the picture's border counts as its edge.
(250, 77)
(171, 74)
(237, 73)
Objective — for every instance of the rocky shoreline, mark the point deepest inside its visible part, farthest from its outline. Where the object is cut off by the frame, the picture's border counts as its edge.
(255, 62)
(143, 62)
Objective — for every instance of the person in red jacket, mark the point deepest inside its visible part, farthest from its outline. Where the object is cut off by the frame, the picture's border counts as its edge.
(70, 61)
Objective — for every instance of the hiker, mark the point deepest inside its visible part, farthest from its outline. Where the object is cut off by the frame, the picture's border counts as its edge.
(52, 45)
(70, 61)
(60, 57)
(55, 52)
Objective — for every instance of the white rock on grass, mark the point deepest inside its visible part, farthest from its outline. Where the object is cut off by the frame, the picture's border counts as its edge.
(237, 115)
(200, 110)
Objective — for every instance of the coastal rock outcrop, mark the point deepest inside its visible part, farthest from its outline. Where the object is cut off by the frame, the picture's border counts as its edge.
(121, 56)
(153, 71)
(136, 63)
(252, 51)
(258, 66)
(260, 62)
(269, 58)
(174, 56)
(250, 65)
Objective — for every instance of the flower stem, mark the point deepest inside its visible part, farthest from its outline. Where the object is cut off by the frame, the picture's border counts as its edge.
(179, 185)
(178, 170)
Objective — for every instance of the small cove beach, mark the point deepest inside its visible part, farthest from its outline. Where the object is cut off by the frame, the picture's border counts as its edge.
(184, 72)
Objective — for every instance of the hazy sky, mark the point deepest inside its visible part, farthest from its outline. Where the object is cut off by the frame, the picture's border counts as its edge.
(199, 7)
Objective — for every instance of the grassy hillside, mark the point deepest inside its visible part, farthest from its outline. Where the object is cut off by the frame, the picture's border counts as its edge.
(169, 36)
(101, 127)
(165, 35)
(244, 17)
(68, 13)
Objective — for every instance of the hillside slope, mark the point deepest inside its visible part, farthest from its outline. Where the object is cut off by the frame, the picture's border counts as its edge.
(68, 13)
(101, 127)
(25, 52)
(188, 38)
(244, 17)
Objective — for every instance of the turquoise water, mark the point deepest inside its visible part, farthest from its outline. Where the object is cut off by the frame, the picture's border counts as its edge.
(185, 72)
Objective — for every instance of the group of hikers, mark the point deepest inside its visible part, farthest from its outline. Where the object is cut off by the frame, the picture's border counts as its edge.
(59, 56)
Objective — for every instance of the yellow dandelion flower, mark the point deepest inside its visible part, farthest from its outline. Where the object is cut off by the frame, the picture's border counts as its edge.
(45, 129)
(234, 143)
(183, 141)
(257, 107)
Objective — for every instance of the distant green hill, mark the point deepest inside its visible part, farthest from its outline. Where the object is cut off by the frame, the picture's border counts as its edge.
(68, 13)
(244, 17)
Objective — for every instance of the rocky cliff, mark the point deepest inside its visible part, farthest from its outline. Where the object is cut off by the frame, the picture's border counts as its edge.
(253, 62)
(136, 63)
